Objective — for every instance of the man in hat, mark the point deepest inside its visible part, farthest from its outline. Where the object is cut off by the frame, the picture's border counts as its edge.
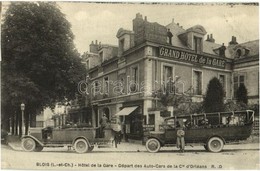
(103, 122)
(180, 136)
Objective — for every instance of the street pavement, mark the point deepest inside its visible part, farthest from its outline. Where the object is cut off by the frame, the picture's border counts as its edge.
(131, 156)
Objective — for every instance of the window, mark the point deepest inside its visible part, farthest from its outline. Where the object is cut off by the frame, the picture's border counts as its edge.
(122, 45)
(222, 80)
(151, 119)
(167, 77)
(101, 56)
(135, 77)
(135, 74)
(238, 80)
(197, 43)
(197, 82)
(96, 88)
(106, 85)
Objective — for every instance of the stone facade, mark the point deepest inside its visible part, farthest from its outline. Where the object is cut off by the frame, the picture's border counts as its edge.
(145, 59)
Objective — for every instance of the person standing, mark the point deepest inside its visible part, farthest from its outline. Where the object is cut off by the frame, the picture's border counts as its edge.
(180, 136)
(103, 122)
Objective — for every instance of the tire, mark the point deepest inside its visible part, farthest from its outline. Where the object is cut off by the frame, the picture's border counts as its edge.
(153, 145)
(81, 146)
(91, 148)
(215, 144)
(38, 148)
(28, 144)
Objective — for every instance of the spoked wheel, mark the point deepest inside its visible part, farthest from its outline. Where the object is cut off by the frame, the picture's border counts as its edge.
(215, 144)
(38, 148)
(81, 146)
(153, 145)
(28, 144)
(91, 148)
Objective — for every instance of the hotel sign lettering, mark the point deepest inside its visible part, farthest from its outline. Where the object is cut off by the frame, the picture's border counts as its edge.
(191, 57)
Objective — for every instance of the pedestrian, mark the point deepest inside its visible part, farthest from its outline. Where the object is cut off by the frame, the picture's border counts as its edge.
(180, 136)
(103, 123)
(117, 130)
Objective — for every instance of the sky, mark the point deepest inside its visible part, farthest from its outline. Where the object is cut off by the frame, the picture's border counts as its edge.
(101, 21)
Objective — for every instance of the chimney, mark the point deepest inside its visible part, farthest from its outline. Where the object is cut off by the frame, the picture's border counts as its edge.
(93, 48)
(172, 20)
(178, 24)
(138, 15)
(207, 38)
(210, 38)
(233, 41)
(145, 18)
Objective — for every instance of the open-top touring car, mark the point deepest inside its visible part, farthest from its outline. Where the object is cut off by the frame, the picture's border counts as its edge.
(212, 130)
(81, 139)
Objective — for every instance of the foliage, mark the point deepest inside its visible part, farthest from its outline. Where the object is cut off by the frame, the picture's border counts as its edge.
(214, 100)
(241, 94)
(233, 106)
(40, 64)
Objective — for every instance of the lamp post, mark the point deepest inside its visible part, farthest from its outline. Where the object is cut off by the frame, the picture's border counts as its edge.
(22, 109)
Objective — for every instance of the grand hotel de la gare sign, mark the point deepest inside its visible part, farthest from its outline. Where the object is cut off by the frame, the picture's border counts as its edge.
(191, 57)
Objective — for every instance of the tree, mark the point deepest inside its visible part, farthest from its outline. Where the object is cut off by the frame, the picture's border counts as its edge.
(40, 64)
(241, 94)
(214, 100)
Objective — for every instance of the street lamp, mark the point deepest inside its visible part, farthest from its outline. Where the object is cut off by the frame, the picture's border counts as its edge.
(22, 109)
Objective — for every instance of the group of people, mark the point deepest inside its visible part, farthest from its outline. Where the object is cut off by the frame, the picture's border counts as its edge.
(117, 129)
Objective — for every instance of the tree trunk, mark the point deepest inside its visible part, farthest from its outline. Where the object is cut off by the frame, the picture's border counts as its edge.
(26, 123)
(13, 123)
(16, 123)
(20, 125)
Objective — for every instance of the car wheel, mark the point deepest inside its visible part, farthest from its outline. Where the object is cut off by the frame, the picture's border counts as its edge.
(91, 148)
(215, 144)
(153, 145)
(28, 144)
(81, 146)
(38, 148)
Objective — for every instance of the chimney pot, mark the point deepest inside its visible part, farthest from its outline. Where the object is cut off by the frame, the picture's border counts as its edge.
(178, 24)
(96, 42)
(92, 42)
(211, 36)
(145, 18)
(172, 20)
(208, 37)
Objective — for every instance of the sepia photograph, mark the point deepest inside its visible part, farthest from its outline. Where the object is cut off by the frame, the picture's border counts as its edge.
(129, 85)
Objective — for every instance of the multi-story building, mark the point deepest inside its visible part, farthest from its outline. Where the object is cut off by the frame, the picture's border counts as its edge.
(123, 79)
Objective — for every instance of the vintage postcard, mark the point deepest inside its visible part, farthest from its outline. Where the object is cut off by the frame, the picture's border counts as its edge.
(128, 85)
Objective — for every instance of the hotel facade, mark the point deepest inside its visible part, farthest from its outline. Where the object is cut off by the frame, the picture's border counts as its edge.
(122, 80)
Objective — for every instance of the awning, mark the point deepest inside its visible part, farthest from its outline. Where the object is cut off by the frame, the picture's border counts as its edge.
(126, 111)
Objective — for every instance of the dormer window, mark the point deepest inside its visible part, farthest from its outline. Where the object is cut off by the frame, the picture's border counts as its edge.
(197, 44)
(238, 53)
(101, 56)
(122, 45)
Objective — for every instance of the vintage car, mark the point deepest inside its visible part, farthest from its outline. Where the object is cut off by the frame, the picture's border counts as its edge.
(81, 139)
(212, 130)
